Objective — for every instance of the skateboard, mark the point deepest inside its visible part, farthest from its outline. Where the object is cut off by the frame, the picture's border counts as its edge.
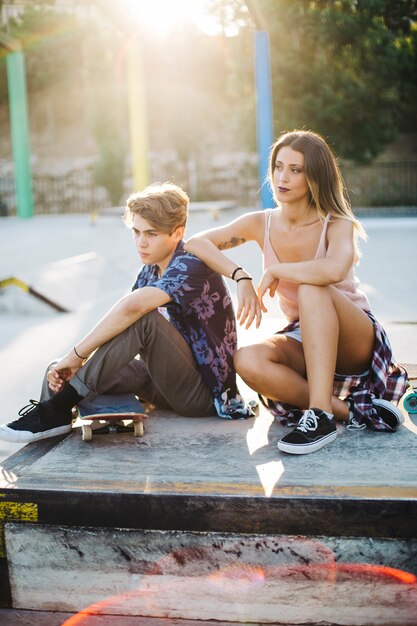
(112, 410)
(410, 399)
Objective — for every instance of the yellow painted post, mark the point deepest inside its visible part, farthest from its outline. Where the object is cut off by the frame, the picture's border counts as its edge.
(138, 122)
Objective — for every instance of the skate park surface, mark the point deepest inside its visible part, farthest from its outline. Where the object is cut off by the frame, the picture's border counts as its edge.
(86, 268)
(205, 464)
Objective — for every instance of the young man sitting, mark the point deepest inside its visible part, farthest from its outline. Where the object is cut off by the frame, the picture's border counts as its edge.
(170, 341)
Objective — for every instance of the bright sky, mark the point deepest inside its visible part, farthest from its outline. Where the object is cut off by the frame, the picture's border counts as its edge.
(162, 15)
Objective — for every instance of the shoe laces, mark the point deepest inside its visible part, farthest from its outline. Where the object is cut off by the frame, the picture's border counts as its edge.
(308, 421)
(28, 408)
(354, 424)
(31, 414)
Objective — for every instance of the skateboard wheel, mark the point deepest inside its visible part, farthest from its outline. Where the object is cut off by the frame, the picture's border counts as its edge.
(87, 433)
(138, 429)
(410, 402)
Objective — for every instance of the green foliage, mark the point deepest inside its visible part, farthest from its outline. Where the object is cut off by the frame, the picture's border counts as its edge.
(109, 169)
(65, 50)
(407, 50)
(107, 112)
(336, 70)
(51, 42)
(201, 97)
(345, 68)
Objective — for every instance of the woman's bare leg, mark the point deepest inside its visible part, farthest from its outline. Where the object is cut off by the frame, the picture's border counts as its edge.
(337, 336)
(276, 369)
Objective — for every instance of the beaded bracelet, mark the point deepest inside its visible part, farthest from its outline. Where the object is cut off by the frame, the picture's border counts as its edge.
(244, 278)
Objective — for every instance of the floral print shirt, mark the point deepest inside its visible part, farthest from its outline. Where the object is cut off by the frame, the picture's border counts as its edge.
(201, 310)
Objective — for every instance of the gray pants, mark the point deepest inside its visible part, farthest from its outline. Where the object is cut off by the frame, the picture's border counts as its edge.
(165, 375)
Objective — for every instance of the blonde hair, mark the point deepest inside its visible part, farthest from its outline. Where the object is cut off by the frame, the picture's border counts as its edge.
(163, 205)
(327, 190)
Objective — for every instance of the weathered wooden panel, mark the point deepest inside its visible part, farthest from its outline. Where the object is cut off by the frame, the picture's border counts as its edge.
(203, 576)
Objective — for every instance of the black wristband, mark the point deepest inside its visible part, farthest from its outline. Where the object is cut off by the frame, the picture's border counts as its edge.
(79, 355)
(244, 278)
(233, 274)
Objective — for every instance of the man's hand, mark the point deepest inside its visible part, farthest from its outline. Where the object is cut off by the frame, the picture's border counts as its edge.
(268, 283)
(248, 304)
(63, 371)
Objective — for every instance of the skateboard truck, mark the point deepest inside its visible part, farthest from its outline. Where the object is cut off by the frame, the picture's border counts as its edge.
(111, 410)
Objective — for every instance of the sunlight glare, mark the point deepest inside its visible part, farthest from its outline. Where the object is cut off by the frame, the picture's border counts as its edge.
(257, 436)
(161, 16)
(269, 474)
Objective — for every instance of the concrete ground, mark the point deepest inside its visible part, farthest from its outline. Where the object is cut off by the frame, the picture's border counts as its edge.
(86, 268)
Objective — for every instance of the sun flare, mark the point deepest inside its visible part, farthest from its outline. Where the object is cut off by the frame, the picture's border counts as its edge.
(161, 16)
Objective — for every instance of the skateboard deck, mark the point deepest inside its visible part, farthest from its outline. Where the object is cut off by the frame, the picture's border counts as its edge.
(111, 411)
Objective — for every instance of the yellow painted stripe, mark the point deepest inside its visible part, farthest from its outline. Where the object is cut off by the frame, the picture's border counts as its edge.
(137, 114)
(239, 489)
(220, 489)
(15, 512)
(16, 282)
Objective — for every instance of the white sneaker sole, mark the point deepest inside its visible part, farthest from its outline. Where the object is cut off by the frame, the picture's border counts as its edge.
(25, 436)
(394, 410)
(306, 448)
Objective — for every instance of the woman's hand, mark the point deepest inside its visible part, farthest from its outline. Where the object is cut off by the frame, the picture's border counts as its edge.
(268, 283)
(63, 371)
(248, 304)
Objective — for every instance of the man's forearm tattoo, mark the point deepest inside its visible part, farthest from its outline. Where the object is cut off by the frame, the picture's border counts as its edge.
(231, 243)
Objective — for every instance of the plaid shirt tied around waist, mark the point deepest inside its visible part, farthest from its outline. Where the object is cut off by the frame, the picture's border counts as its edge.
(385, 379)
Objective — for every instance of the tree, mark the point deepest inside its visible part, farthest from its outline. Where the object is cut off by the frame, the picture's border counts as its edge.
(71, 54)
(51, 42)
(345, 68)
(197, 89)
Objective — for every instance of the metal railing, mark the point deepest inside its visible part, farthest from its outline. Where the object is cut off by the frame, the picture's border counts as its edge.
(377, 185)
(382, 184)
(74, 192)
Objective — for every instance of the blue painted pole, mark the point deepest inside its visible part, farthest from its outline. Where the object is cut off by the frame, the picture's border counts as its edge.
(264, 116)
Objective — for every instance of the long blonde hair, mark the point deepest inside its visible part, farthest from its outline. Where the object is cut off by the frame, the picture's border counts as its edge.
(327, 190)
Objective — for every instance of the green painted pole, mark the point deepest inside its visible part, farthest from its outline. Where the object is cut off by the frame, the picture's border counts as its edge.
(19, 123)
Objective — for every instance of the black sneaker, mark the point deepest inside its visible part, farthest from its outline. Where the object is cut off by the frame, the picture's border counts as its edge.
(314, 430)
(39, 420)
(388, 412)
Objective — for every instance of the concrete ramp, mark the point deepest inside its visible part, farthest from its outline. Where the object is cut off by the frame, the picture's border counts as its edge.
(62, 286)
(206, 520)
(212, 576)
